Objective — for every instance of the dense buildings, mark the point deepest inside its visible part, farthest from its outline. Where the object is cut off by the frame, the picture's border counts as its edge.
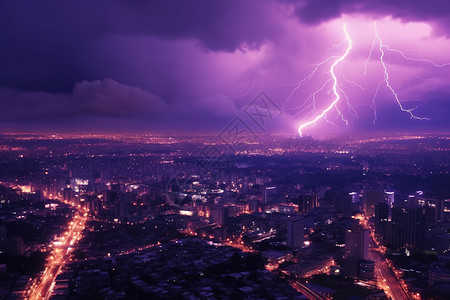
(306, 209)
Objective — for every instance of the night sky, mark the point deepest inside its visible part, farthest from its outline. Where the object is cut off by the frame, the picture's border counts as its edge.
(192, 66)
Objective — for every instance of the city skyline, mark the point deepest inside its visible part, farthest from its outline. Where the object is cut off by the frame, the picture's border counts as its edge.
(210, 149)
(198, 216)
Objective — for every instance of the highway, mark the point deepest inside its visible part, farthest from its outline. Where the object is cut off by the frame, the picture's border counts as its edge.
(385, 274)
(387, 279)
(306, 291)
(62, 246)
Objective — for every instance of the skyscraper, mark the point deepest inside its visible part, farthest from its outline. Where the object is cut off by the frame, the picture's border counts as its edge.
(381, 214)
(268, 193)
(356, 243)
(407, 228)
(219, 215)
(308, 202)
(356, 250)
(354, 196)
(389, 198)
(15, 246)
(343, 204)
(433, 210)
(295, 232)
(372, 197)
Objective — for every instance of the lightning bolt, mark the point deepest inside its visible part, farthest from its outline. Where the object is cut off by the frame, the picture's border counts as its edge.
(335, 87)
(416, 59)
(303, 81)
(386, 79)
(330, 86)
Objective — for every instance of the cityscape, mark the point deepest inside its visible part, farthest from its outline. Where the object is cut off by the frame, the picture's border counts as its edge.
(225, 150)
(117, 216)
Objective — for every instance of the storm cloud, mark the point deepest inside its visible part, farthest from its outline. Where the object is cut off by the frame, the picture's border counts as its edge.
(183, 64)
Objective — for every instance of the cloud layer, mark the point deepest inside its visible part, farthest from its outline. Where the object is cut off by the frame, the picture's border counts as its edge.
(193, 65)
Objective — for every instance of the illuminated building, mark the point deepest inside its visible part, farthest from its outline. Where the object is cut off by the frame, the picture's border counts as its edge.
(310, 267)
(308, 202)
(268, 193)
(381, 219)
(354, 196)
(276, 257)
(356, 243)
(366, 270)
(433, 210)
(372, 197)
(68, 194)
(92, 204)
(295, 232)
(389, 198)
(356, 249)
(407, 226)
(253, 205)
(220, 215)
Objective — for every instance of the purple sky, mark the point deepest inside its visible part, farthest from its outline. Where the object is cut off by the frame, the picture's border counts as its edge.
(193, 66)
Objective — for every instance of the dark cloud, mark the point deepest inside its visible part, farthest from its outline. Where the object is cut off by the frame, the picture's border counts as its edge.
(100, 98)
(48, 42)
(166, 60)
(317, 11)
(109, 105)
(47, 45)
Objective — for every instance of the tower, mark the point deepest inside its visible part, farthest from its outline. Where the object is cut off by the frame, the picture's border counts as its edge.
(295, 232)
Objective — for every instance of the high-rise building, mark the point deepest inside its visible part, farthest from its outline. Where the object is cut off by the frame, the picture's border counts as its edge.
(356, 243)
(219, 215)
(381, 220)
(308, 202)
(433, 210)
(407, 226)
(389, 198)
(109, 196)
(268, 193)
(356, 250)
(381, 214)
(372, 197)
(2, 235)
(154, 192)
(68, 194)
(354, 196)
(295, 232)
(15, 246)
(343, 204)
(253, 205)
(366, 270)
(446, 208)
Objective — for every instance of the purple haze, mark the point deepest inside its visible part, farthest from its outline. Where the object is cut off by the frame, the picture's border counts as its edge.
(172, 66)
